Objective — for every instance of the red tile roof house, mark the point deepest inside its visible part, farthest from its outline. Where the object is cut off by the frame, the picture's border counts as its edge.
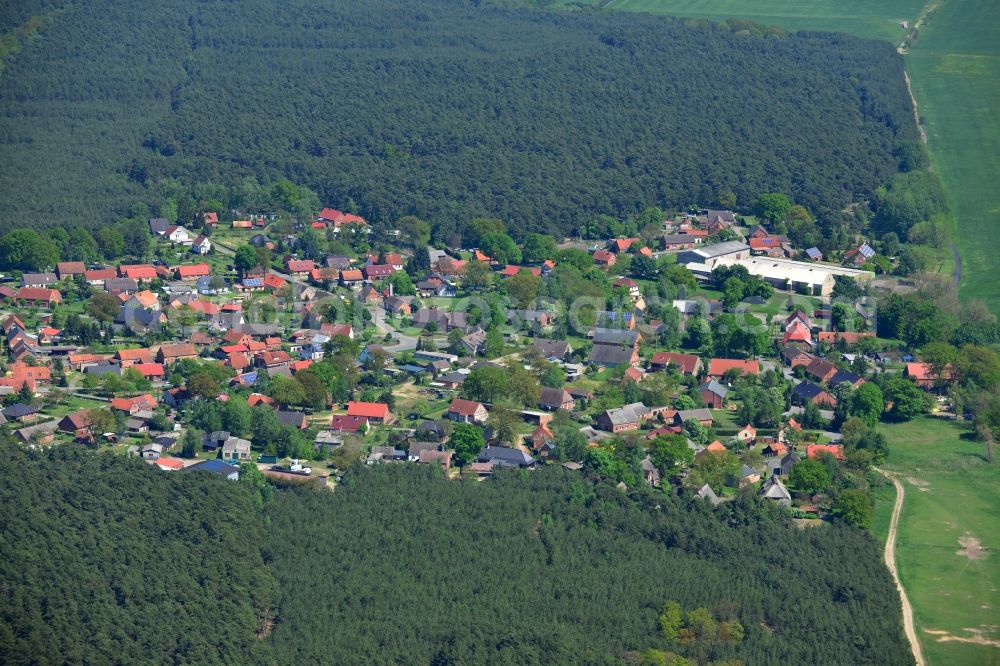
(38, 295)
(273, 282)
(151, 371)
(20, 374)
(375, 412)
(351, 277)
(686, 364)
(65, 269)
(274, 359)
(466, 411)
(720, 366)
(604, 258)
(171, 353)
(347, 423)
(134, 405)
(237, 337)
(848, 337)
(621, 244)
(97, 277)
(377, 271)
(814, 451)
(137, 271)
(128, 357)
(75, 421)
(924, 377)
(300, 266)
(821, 370)
(192, 271)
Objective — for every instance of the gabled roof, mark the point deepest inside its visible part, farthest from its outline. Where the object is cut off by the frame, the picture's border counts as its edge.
(687, 363)
(714, 387)
(815, 450)
(301, 265)
(369, 409)
(633, 413)
(146, 299)
(347, 423)
(137, 271)
(38, 294)
(351, 275)
(615, 336)
(505, 456)
(464, 407)
(193, 270)
(71, 267)
(720, 366)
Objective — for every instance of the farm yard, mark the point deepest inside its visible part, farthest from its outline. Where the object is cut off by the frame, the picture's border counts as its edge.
(946, 547)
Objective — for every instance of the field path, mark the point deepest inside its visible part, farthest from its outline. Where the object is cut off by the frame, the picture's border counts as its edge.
(890, 562)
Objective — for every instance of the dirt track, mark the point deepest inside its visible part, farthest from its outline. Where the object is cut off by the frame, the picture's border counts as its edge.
(890, 562)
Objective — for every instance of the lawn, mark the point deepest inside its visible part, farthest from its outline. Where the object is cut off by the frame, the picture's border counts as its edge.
(953, 66)
(951, 495)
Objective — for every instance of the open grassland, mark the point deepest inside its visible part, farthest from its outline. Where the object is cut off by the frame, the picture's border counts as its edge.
(949, 513)
(954, 68)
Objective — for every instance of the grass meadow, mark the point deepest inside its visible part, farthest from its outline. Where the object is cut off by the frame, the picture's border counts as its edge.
(876, 20)
(950, 501)
(955, 69)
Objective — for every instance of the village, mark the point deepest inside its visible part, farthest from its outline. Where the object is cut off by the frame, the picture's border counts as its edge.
(707, 356)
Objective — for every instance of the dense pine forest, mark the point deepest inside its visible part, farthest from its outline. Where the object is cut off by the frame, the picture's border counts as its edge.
(109, 560)
(446, 109)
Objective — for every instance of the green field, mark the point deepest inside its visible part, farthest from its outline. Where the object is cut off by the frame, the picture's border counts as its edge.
(950, 495)
(878, 20)
(954, 67)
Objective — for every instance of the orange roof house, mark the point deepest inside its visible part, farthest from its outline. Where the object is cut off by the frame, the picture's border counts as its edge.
(137, 271)
(720, 366)
(133, 405)
(150, 370)
(604, 258)
(797, 332)
(622, 244)
(815, 450)
(715, 448)
(849, 337)
(188, 271)
(129, 357)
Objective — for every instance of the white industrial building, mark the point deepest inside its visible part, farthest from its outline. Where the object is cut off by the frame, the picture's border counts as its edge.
(786, 274)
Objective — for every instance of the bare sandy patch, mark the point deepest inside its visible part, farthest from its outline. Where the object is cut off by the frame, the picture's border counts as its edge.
(972, 548)
(920, 485)
(976, 635)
